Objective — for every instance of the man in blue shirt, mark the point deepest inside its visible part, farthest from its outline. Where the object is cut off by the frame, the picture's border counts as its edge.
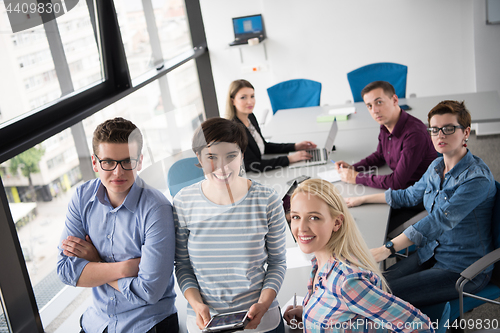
(119, 239)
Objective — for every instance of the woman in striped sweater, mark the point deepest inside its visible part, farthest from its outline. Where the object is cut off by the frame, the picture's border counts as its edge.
(230, 235)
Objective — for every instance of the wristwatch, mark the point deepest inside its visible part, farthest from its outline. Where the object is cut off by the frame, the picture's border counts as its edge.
(390, 246)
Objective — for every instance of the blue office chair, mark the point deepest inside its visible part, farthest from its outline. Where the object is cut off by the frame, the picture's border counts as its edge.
(297, 93)
(440, 314)
(492, 291)
(393, 73)
(183, 173)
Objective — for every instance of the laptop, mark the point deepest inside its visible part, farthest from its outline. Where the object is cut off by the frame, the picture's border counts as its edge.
(320, 155)
(248, 27)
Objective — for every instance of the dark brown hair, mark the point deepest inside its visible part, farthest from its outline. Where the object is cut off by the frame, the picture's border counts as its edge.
(453, 107)
(219, 130)
(386, 87)
(116, 130)
(234, 87)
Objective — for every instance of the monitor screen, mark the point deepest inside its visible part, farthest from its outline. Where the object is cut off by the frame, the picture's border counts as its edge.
(248, 25)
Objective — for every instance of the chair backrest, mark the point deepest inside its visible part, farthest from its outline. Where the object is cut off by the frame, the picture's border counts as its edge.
(183, 173)
(495, 225)
(296, 93)
(393, 73)
(495, 231)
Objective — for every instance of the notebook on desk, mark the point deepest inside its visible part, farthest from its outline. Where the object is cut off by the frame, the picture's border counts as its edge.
(248, 27)
(320, 155)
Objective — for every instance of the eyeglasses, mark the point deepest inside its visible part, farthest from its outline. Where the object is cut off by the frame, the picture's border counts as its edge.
(110, 165)
(447, 130)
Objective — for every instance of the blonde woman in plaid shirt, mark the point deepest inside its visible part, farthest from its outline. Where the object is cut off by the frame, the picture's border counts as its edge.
(346, 290)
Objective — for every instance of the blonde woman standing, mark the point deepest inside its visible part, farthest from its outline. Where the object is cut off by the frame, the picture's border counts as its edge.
(346, 289)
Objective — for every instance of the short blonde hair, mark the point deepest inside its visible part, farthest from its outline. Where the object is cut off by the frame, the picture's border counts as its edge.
(234, 87)
(347, 242)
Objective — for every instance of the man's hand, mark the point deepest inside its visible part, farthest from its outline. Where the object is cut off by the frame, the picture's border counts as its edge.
(77, 247)
(348, 175)
(130, 268)
(343, 165)
(299, 156)
(256, 312)
(305, 145)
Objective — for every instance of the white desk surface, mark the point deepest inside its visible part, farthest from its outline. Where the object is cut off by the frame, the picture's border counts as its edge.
(352, 144)
(483, 106)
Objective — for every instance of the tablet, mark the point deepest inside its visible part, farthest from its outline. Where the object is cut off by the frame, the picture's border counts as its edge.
(231, 321)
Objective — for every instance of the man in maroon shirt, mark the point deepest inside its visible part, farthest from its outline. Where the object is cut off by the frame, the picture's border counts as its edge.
(403, 143)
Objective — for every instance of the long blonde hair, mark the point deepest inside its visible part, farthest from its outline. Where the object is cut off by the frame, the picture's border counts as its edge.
(347, 243)
(234, 87)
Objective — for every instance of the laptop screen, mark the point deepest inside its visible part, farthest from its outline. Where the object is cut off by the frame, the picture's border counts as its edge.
(331, 136)
(248, 26)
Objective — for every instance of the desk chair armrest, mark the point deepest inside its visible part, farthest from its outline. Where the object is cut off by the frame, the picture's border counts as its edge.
(471, 272)
(480, 265)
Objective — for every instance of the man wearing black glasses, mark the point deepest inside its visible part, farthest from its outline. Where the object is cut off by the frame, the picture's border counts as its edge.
(119, 239)
(403, 143)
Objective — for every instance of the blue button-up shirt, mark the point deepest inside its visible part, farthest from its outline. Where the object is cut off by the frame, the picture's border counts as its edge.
(142, 226)
(457, 230)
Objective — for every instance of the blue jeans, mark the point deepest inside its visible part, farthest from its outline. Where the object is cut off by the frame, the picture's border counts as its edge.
(423, 285)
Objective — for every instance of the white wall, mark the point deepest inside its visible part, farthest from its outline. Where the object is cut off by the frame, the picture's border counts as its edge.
(323, 40)
(487, 50)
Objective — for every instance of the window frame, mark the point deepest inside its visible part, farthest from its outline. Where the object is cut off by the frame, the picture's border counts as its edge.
(25, 131)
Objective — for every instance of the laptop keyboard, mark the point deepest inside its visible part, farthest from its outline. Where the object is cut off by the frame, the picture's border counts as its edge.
(316, 155)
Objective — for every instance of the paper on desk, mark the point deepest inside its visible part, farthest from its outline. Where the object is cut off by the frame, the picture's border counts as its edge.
(343, 111)
(330, 175)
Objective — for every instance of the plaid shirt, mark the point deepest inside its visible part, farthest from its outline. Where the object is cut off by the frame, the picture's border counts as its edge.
(350, 299)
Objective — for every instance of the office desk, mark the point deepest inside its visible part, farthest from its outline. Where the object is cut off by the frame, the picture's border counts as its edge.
(371, 219)
(483, 106)
(352, 144)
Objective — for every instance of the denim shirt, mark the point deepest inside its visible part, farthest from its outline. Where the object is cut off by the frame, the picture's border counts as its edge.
(457, 230)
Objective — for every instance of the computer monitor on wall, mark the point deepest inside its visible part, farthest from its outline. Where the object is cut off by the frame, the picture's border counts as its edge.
(247, 27)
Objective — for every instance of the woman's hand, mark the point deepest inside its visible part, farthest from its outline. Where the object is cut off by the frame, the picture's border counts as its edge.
(299, 156)
(202, 315)
(293, 316)
(305, 145)
(77, 247)
(256, 312)
(354, 201)
(380, 253)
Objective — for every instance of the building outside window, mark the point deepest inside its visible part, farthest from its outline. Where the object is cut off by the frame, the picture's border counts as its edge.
(40, 180)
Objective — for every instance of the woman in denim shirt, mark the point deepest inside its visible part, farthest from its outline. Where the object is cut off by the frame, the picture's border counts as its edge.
(458, 192)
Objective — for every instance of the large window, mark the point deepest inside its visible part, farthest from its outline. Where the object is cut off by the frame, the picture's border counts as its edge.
(27, 60)
(39, 182)
(153, 33)
(59, 81)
